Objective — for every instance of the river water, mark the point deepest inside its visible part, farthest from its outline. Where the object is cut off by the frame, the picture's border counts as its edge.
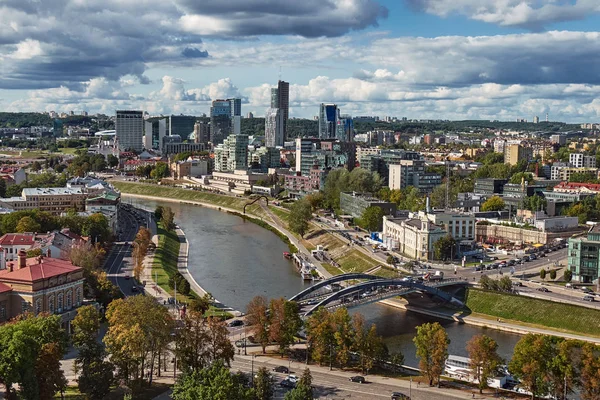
(236, 260)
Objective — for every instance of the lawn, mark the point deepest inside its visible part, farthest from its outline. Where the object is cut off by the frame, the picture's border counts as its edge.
(283, 215)
(331, 269)
(355, 261)
(542, 313)
(165, 260)
(386, 272)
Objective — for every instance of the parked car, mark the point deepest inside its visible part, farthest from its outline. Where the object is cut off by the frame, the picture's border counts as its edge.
(281, 369)
(134, 289)
(287, 383)
(399, 396)
(520, 284)
(358, 379)
(588, 298)
(236, 322)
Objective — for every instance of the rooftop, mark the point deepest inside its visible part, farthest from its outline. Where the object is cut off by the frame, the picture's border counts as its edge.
(38, 268)
(51, 191)
(12, 239)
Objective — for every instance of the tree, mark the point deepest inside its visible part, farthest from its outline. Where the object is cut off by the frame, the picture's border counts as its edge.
(315, 200)
(520, 176)
(211, 383)
(158, 212)
(50, 378)
(397, 360)
(96, 228)
(494, 203)
(483, 353)
(96, 374)
(372, 219)
(161, 170)
(590, 373)
(567, 275)
(167, 219)
(443, 248)
(2, 188)
(284, 323)
(257, 318)
(336, 181)
(488, 283)
(505, 284)
(263, 384)
(303, 390)
(562, 367)
(530, 363)
(28, 224)
(36, 166)
(432, 343)
(300, 214)
(343, 335)
(390, 259)
(113, 161)
(542, 273)
(201, 305)
(320, 335)
(553, 274)
(219, 346)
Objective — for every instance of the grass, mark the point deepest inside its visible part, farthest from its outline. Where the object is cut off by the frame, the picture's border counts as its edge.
(386, 272)
(331, 269)
(355, 261)
(164, 265)
(537, 312)
(283, 215)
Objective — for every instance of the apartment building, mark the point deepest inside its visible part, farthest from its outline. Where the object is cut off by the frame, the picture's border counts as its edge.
(53, 200)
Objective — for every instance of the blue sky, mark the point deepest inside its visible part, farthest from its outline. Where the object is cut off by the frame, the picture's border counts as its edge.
(446, 59)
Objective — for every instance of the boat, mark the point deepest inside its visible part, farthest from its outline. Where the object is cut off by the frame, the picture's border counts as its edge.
(287, 255)
(459, 367)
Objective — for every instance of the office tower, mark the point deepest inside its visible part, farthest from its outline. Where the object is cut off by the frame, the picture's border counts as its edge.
(328, 119)
(345, 129)
(129, 127)
(250, 115)
(275, 97)
(274, 128)
(182, 125)
(536, 120)
(222, 119)
(201, 132)
(155, 129)
(283, 103)
(232, 154)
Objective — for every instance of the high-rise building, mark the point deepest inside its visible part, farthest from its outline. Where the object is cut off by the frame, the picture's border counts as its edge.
(182, 125)
(223, 115)
(232, 154)
(345, 129)
(515, 152)
(155, 129)
(412, 173)
(129, 127)
(283, 101)
(274, 128)
(250, 115)
(536, 120)
(328, 120)
(201, 132)
(275, 97)
(579, 160)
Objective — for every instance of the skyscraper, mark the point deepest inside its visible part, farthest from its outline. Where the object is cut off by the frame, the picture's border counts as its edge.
(155, 129)
(345, 129)
(129, 127)
(232, 154)
(182, 125)
(283, 103)
(328, 120)
(274, 128)
(201, 132)
(223, 113)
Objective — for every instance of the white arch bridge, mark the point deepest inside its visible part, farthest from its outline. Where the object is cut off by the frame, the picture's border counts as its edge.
(370, 289)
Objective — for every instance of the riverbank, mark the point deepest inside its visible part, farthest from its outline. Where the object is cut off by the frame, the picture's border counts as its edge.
(486, 322)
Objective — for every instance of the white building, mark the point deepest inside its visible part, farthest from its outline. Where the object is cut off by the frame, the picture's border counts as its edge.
(232, 154)
(579, 160)
(129, 127)
(413, 237)
(274, 128)
(460, 225)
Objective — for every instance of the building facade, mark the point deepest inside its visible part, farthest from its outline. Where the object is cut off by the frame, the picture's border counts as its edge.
(515, 152)
(584, 255)
(129, 127)
(413, 237)
(580, 160)
(328, 121)
(412, 173)
(274, 128)
(53, 200)
(155, 129)
(356, 203)
(232, 154)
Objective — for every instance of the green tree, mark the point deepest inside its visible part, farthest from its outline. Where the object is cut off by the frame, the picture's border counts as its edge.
(484, 359)
(520, 176)
(432, 343)
(488, 283)
(36, 166)
(337, 181)
(315, 200)
(494, 203)
(535, 203)
(397, 360)
(211, 383)
(553, 274)
(543, 273)
(530, 363)
(372, 219)
(264, 385)
(443, 248)
(284, 323)
(343, 336)
(50, 378)
(303, 390)
(96, 227)
(2, 188)
(390, 259)
(158, 213)
(505, 284)
(567, 275)
(112, 161)
(320, 335)
(161, 170)
(167, 219)
(28, 224)
(300, 214)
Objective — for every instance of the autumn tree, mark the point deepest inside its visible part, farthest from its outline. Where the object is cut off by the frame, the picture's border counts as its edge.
(264, 385)
(432, 343)
(484, 359)
(494, 203)
(562, 368)
(50, 378)
(219, 345)
(140, 250)
(343, 335)
(284, 323)
(139, 329)
(95, 374)
(258, 319)
(530, 363)
(320, 335)
(590, 373)
(28, 224)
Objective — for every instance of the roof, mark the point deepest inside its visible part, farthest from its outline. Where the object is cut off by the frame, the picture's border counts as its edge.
(578, 185)
(105, 196)
(38, 269)
(4, 288)
(51, 191)
(22, 239)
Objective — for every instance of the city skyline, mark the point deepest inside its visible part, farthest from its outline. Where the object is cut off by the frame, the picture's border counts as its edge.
(425, 59)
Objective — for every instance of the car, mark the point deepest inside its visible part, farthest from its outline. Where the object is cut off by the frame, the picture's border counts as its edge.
(517, 284)
(543, 289)
(292, 378)
(533, 257)
(287, 383)
(236, 322)
(588, 298)
(399, 396)
(477, 268)
(281, 369)
(357, 378)
(586, 290)
(134, 289)
(126, 277)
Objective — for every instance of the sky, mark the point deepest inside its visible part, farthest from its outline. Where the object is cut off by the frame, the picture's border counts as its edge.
(420, 59)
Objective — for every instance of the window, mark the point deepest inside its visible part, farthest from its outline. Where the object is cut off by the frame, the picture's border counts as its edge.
(2, 312)
(51, 304)
(38, 306)
(69, 300)
(24, 306)
(59, 301)
(78, 297)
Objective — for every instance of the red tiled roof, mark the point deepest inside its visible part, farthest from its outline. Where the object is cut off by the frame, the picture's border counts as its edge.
(11, 239)
(36, 270)
(4, 288)
(578, 185)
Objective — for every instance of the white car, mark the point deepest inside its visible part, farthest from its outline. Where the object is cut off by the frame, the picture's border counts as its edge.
(293, 378)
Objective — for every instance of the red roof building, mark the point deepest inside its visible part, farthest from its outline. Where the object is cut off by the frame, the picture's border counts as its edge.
(577, 187)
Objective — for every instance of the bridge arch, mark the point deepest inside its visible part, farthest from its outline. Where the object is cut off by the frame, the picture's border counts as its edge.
(338, 278)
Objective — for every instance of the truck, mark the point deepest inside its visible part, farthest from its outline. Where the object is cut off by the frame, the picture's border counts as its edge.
(436, 276)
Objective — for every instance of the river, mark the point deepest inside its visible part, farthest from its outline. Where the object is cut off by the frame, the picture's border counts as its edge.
(236, 260)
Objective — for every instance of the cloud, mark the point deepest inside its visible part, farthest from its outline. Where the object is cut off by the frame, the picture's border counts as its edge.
(307, 18)
(192, 52)
(529, 14)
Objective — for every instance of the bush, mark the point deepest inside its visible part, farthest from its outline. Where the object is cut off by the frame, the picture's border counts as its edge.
(543, 273)
(553, 274)
(567, 275)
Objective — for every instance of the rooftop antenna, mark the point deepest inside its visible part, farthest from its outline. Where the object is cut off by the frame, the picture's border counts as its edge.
(280, 72)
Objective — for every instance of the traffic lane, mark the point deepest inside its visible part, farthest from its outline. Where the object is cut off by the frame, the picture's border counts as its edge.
(334, 386)
(553, 295)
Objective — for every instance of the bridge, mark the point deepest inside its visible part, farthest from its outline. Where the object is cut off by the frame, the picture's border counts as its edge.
(369, 289)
